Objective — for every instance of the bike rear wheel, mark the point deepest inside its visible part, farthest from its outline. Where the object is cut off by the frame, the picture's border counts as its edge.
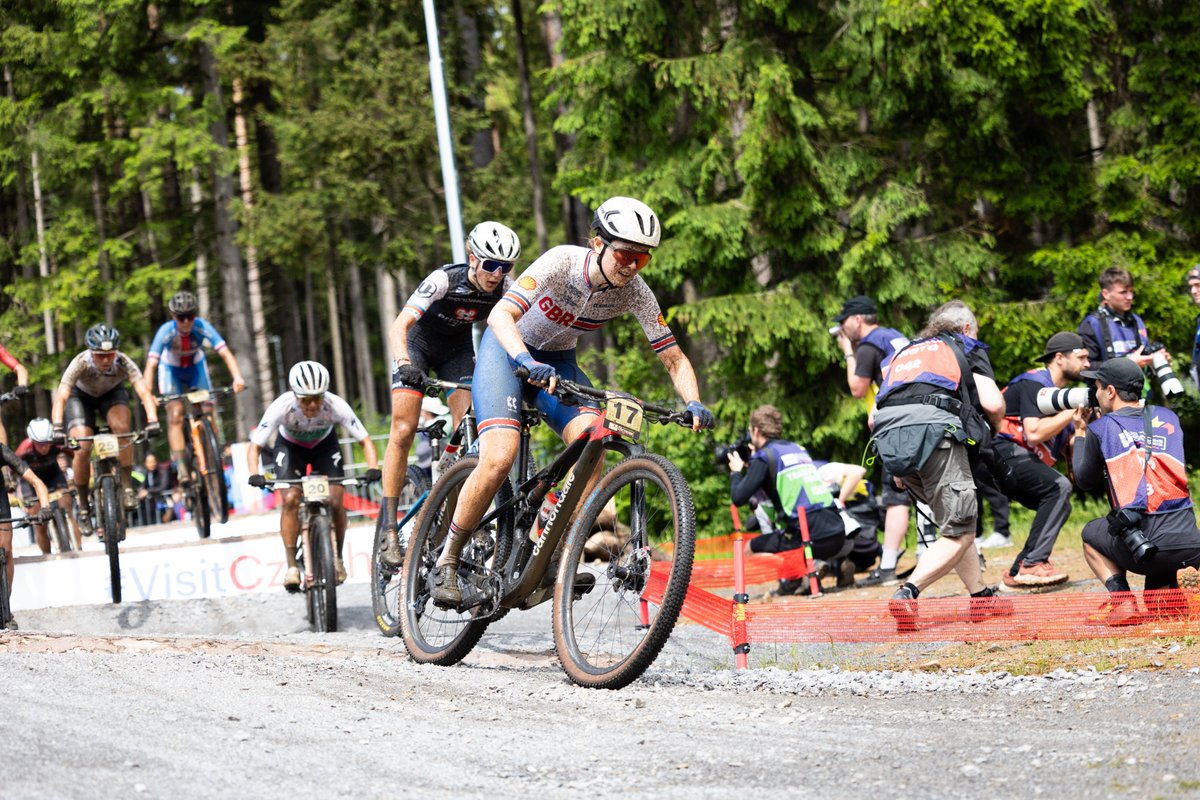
(214, 475)
(385, 578)
(435, 635)
(607, 636)
(324, 588)
(200, 515)
(111, 513)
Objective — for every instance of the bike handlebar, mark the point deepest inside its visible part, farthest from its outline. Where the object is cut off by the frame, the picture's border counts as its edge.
(137, 436)
(214, 394)
(21, 522)
(655, 413)
(283, 483)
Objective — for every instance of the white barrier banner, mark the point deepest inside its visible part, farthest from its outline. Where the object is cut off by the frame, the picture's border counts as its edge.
(212, 568)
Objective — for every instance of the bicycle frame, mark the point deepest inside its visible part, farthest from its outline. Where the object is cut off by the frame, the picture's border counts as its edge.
(317, 501)
(198, 406)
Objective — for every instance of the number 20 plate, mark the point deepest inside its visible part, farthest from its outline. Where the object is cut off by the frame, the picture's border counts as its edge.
(624, 415)
(316, 489)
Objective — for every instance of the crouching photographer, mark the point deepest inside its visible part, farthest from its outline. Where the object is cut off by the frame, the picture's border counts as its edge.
(1137, 453)
(786, 472)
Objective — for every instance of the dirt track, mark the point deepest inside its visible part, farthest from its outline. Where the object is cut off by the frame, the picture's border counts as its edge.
(208, 698)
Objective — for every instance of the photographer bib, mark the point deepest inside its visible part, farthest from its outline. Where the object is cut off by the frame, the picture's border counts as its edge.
(796, 479)
(1157, 487)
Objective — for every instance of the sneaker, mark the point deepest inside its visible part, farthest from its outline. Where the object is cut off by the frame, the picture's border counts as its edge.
(1043, 574)
(340, 569)
(445, 591)
(393, 553)
(996, 539)
(131, 502)
(1010, 582)
(988, 603)
(880, 577)
(291, 579)
(845, 573)
(1118, 611)
(903, 608)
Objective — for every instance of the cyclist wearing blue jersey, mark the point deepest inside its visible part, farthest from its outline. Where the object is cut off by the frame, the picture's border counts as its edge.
(534, 329)
(177, 358)
(433, 332)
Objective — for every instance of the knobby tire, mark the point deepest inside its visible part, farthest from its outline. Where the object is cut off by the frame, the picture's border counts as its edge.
(5, 606)
(325, 574)
(112, 515)
(385, 578)
(600, 636)
(56, 528)
(214, 475)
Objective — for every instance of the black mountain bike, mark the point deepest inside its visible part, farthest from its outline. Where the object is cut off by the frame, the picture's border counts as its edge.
(57, 527)
(612, 615)
(107, 506)
(316, 549)
(385, 578)
(205, 492)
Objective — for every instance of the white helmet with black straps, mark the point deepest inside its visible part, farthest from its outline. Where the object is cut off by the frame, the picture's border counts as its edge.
(40, 430)
(308, 378)
(495, 241)
(627, 219)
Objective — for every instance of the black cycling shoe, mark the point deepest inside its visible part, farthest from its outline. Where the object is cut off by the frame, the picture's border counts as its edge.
(445, 592)
(584, 583)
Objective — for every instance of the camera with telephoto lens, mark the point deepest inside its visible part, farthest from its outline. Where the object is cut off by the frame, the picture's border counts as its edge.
(1051, 400)
(741, 447)
(1168, 381)
(1123, 523)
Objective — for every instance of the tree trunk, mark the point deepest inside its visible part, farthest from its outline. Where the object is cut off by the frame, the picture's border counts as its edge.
(39, 213)
(531, 133)
(361, 343)
(310, 317)
(335, 317)
(468, 32)
(233, 275)
(110, 310)
(201, 247)
(576, 220)
(22, 203)
(258, 320)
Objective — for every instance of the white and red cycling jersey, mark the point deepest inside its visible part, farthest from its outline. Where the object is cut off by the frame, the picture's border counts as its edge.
(285, 415)
(559, 302)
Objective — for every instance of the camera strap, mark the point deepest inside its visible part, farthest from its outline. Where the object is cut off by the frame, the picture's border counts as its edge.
(1148, 438)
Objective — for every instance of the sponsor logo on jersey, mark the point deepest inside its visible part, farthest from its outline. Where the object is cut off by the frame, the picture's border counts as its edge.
(527, 283)
(466, 314)
(554, 312)
(662, 320)
(426, 289)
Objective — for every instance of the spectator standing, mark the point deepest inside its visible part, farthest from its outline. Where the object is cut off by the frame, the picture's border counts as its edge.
(1113, 330)
(865, 346)
(151, 482)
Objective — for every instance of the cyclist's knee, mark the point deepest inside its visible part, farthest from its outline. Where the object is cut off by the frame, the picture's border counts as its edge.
(175, 414)
(291, 502)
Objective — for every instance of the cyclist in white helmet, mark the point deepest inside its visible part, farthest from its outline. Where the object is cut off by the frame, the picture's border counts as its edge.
(567, 292)
(433, 333)
(305, 420)
(39, 451)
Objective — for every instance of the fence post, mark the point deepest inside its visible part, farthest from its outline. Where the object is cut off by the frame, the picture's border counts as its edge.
(810, 571)
(738, 638)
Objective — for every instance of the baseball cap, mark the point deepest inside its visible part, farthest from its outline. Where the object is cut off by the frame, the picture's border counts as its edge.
(1120, 373)
(860, 304)
(434, 406)
(1061, 342)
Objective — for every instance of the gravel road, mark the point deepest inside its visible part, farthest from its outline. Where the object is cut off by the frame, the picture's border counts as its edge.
(215, 698)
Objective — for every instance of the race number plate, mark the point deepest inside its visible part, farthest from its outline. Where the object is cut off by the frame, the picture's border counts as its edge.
(106, 445)
(624, 415)
(198, 396)
(316, 489)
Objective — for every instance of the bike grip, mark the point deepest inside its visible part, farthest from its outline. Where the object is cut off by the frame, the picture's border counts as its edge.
(521, 372)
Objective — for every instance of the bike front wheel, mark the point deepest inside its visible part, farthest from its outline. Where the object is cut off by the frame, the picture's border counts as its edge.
(616, 600)
(385, 577)
(5, 608)
(324, 575)
(214, 475)
(442, 636)
(59, 533)
(111, 514)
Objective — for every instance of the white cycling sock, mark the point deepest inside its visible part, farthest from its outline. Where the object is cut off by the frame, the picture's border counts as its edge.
(889, 558)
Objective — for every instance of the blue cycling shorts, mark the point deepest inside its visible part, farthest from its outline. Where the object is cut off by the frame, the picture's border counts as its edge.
(497, 393)
(177, 380)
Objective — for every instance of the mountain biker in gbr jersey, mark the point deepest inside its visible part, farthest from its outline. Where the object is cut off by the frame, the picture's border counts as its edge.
(566, 292)
(178, 353)
(433, 331)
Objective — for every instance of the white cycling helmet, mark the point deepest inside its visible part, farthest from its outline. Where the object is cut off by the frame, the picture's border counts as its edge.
(308, 378)
(627, 219)
(40, 430)
(495, 241)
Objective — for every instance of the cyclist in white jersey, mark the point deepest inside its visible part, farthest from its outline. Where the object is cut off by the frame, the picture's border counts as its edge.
(177, 358)
(95, 383)
(565, 293)
(304, 420)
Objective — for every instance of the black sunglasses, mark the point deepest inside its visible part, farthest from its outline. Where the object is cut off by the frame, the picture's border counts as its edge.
(185, 317)
(491, 265)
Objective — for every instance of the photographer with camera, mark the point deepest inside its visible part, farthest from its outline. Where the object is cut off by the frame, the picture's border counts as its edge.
(786, 472)
(1028, 444)
(865, 346)
(1192, 279)
(1137, 452)
(929, 417)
